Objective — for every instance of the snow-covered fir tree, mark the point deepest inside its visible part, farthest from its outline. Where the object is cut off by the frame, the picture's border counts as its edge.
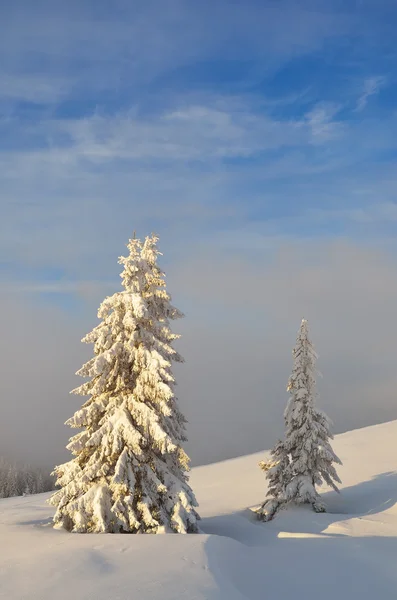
(12, 488)
(305, 458)
(129, 471)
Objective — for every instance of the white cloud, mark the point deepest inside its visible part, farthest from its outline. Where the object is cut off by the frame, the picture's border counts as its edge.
(379, 213)
(80, 288)
(372, 86)
(33, 88)
(177, 171)
(191, 133)
(322, 124)
(133, 43)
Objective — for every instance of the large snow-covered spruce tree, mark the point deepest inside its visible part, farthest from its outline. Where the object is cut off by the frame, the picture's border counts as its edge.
(304, 459)
(129, 471)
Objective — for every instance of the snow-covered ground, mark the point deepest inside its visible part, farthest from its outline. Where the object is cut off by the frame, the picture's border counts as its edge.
(348, 553)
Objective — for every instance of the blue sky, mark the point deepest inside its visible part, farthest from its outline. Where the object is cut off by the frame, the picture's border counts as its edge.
(258, 138)
(195, 119)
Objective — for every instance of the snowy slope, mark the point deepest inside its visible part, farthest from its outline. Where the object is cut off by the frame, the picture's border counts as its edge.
(351, 552)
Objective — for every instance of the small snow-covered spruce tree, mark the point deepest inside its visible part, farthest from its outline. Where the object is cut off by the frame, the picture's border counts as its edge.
(305, 458)
(129, 469)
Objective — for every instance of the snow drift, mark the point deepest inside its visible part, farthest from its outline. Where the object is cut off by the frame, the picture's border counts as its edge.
(349, 552)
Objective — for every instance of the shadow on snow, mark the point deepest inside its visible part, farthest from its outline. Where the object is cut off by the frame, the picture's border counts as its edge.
(294, 556)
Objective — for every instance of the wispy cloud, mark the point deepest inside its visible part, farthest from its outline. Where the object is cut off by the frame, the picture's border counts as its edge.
(195, 132)
(81, 288)
(129, 45)
(227, 128)
(379, 213)
(142, 126)
(372, 86)
(194, 165)
(39, 89)
(321, 122)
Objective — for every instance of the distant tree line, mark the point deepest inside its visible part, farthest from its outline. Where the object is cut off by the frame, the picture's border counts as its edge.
(22, 480)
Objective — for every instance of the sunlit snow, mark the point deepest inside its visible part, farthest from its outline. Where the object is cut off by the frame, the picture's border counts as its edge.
(349, 552)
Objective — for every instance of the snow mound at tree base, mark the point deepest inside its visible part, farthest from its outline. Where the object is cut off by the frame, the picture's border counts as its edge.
(349, 552)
